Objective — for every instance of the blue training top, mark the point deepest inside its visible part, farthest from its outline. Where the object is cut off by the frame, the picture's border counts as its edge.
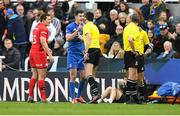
(75, 46)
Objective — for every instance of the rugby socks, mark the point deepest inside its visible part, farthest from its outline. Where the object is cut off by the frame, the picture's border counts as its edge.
(93, 86)
(141, 90)
(41, 86)
(110, 100)
(72, 89)
(80, 87)
(31, 86)
(131, 89)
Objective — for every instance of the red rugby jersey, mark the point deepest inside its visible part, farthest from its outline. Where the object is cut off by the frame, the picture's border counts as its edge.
(39, 31)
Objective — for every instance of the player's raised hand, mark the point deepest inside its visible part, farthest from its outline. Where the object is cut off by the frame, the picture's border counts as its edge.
(79, 28)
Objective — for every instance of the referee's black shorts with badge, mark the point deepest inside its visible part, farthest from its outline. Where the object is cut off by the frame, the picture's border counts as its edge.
(133, 61)
(94, 55)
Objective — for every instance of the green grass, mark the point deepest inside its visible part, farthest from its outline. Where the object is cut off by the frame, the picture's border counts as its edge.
(66, 108)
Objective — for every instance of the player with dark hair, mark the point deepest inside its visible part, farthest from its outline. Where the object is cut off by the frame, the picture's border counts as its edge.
(75, 60)
(38, 57)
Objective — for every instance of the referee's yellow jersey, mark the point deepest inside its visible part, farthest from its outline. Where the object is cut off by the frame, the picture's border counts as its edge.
(92, 29)
(144, 40)
(132, 30)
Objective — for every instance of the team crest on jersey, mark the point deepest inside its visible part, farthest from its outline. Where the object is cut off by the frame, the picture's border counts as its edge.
(74, 29)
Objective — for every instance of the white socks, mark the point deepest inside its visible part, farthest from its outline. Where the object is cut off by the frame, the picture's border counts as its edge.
(105, 100)
(110, 100)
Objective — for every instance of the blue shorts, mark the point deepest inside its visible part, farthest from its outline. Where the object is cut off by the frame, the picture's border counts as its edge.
(75, 61)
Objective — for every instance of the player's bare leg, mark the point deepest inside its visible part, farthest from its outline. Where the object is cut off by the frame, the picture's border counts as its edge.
(105, 94)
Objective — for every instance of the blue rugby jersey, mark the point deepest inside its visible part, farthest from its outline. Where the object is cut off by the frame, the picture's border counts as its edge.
(75, 45)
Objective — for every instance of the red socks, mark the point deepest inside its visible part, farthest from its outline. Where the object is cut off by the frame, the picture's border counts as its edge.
(41, 86)
(31, 86)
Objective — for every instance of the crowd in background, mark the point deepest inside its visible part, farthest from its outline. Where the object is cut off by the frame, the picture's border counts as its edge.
(17, 21)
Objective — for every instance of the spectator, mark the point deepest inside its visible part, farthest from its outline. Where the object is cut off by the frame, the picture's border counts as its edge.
(2, 24)
(145, 9)
(151, 35)
(37, 13)
(67, 16)
(115, 52)
(58, 12)
(20, 12)
(123, 7)
(163, 14)
(57, 25)
(113, 18)
(116, 37)
(165, 17)
(40, 5)
(7, 3)
(157, 25)
(142, 23)
(58, 49)
(17, 34)
(12, 56)
(156, 8)
(103, 25)
(176, 41)
(116, 4)
(150, 25)
(52, 34)
(25, 5)
(159, 41)
(101, 22)
(30, 19)
(168, 51)
(74, 8)
(122, 19)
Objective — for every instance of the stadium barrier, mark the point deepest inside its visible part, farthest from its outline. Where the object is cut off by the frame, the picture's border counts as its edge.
(156, 71)
(14, 85)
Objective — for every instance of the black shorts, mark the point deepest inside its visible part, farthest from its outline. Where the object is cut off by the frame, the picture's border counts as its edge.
(94, 54)
(140, 60)
(130, 60)
(120, 100)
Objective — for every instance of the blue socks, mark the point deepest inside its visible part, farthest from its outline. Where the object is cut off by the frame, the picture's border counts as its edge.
(72, 89)
(80, 87)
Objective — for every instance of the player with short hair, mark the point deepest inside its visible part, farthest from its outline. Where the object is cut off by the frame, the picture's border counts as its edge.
(38, 57)
(75, 60)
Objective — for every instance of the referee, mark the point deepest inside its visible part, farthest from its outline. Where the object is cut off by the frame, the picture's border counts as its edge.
(132, 43)
(92, 54)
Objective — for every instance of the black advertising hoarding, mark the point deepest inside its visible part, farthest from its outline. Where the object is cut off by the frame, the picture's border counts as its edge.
(14, 86)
